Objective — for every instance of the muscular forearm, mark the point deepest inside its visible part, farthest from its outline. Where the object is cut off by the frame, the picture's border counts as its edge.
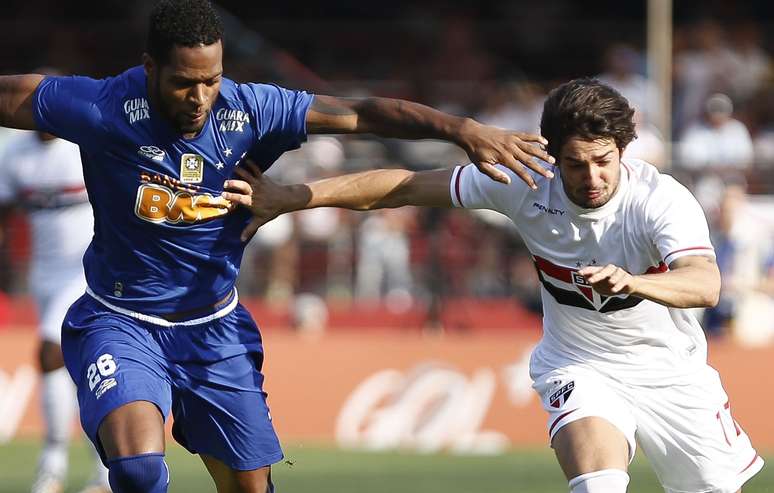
(408, 120)
(687, 287)
(16, 100)
(486, 146)
(376, 189)
(360, 191)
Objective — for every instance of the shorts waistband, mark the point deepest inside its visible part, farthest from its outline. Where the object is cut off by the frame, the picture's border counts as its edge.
(176, 319)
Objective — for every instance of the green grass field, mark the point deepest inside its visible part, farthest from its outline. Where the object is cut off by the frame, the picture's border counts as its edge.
(326, 470)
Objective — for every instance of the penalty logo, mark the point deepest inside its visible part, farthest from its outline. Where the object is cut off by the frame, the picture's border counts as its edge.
(559, 397)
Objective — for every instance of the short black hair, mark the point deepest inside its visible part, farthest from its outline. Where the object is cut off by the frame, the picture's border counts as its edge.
(588, 109)
(184, 23)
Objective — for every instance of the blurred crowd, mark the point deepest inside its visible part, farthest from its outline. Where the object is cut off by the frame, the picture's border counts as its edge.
(721, 146)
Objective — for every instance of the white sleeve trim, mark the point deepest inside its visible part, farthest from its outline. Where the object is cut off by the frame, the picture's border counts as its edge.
(684, 252)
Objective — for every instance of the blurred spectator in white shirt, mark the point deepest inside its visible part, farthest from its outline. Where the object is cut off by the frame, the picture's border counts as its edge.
(384, 259)
(648, 145)
(622, 65)
(514, 105)
(751, 65)
(719, 141)
(763, 141)
(703, 68)
(743, 237)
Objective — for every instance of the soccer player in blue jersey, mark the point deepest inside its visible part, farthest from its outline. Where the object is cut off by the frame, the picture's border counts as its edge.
(160, 327)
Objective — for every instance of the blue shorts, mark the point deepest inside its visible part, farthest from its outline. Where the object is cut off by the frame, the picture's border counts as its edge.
(208, 375)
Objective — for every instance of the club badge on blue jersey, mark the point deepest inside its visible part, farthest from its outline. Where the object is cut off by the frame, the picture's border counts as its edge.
(191, 168)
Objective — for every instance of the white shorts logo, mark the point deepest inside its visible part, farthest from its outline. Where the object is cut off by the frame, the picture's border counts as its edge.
(105, 386)
(105, 366)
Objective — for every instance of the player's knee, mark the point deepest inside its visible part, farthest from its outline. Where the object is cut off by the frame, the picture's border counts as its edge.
(145, 473)
(604, 481)
(254, 483)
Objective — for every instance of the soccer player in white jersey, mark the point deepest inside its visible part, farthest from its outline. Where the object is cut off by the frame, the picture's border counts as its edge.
(42, 175)
(621, 251)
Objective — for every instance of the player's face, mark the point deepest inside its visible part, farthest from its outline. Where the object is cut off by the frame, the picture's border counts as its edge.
(186, 87)
(590, 170)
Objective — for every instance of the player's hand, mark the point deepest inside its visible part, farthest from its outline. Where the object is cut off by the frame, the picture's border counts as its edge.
(609, 280)
(265, 198)
(487, 146)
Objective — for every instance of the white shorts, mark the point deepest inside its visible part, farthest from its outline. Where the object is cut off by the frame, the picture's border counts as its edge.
(686, 431)
(54, 299)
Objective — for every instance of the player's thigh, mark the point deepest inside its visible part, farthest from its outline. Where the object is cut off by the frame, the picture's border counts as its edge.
(691, 438)
(589, 424)
(228, 480)
(219, 405)
(590, 444)
(116, 363)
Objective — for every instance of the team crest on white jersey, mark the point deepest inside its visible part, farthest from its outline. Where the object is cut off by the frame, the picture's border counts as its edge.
(231, 120)
(568, 287)
(151, 152)
(136, 109)
(191, 168)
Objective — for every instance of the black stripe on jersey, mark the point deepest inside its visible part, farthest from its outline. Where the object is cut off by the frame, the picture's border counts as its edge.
(564, 296)
(616, 304)
(573, 298)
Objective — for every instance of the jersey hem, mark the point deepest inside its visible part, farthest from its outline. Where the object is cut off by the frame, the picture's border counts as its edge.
(163, 322)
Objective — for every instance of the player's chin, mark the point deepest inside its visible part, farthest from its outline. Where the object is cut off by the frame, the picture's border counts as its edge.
(593, 203)
(189, 127)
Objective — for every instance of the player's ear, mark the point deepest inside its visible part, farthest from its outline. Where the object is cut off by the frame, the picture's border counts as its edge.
(149, 64)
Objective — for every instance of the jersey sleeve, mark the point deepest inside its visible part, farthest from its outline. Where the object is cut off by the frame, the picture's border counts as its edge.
(68, 107)
(471, 189)
(677, 222)
(281, 120)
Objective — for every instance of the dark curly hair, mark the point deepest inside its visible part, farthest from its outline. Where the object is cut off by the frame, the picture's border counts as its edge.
(588, 109)
(182, 22)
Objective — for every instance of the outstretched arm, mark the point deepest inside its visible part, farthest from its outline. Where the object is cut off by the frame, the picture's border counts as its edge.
(692, 281)
(378, 189)
(16, 100)
(485, 145)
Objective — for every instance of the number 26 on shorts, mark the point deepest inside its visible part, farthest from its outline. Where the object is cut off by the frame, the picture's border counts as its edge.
(104, 367)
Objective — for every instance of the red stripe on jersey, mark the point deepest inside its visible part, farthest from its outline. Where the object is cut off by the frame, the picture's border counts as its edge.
(553, 270)
(59, 190)
(659, 269)
(686, 249)
(755, 458)
(73, 189)
(561, 417)
(738, 430)
(457, 186)
(588, 293)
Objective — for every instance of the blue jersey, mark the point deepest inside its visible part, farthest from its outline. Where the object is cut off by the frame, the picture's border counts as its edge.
(156, 249)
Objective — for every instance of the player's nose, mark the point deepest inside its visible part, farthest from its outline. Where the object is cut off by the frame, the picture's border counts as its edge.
(198, 95)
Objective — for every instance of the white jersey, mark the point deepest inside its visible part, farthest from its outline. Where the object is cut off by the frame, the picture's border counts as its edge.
(46, 179)
(650, 221)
